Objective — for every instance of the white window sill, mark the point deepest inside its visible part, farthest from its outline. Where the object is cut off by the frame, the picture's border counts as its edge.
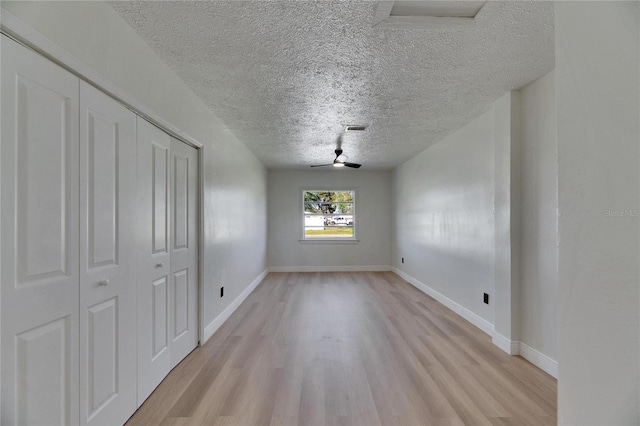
(329, 241)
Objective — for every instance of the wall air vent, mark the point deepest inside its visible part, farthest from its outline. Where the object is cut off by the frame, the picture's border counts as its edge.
(355, 128)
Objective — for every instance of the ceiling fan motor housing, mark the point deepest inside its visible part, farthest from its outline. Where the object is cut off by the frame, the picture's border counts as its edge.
(339, 163)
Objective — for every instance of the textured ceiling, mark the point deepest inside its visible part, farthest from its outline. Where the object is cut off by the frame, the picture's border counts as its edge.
(286, 76)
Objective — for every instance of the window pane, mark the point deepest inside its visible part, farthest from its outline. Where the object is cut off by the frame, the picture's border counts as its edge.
(313, 220)
(328, 196)
(319, 208)
(311, 208)
(328, 208)
(344, 208)
(343, 196)
(328, 214)
(329, 232)
(338, 220)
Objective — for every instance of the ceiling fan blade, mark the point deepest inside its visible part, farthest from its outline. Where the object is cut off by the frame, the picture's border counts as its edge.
(339, 160)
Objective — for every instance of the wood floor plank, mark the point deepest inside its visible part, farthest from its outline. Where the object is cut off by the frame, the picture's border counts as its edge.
(349, 348)
(194, 392)
(216, 396)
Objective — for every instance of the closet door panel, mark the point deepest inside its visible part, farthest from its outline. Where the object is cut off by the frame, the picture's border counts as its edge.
(154, 297)
(160, 193)
(107, 259)
(184, 250)
(39, 254)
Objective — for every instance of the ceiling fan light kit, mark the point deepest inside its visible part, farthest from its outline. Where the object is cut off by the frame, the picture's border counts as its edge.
(339, 163)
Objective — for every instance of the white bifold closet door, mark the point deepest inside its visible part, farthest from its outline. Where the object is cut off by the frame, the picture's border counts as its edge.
(167, 254)
(39, 240)
(107, 259)
(98, 242)
(68, 289)
(184, 251)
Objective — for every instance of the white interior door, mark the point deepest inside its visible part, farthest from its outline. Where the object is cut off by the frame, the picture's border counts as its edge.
(184, 250)
(107, 259)
(154, 357)
(39, 219)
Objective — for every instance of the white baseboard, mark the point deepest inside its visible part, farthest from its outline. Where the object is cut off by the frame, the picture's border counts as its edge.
(512, 347)
(538, 359)
(214, 325)
(473, 318)
(535, 357)
(366, 268)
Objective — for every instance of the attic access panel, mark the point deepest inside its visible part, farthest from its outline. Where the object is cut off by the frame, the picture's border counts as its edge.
(432, 15)
(451, 9)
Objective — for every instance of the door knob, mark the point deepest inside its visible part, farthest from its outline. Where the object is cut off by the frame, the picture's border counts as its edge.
(159, 265)
(104, 282)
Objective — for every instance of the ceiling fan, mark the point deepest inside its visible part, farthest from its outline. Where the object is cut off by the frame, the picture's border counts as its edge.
(338, 161)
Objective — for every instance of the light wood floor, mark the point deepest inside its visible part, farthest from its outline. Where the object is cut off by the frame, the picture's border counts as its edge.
(361, 348)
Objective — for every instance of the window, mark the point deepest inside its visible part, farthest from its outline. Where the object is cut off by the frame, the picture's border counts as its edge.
(329, 214)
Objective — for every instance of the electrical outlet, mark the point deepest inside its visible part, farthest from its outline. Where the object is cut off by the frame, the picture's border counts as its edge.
(486, 298)
(403, 260)
(221, 291)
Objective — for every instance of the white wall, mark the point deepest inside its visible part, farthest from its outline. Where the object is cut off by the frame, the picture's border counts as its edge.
(506, 203)
(538, 278)
(597, 97)
(444, 222)
(373, 217)
(234, 180)
(235, 221)
(477, 213)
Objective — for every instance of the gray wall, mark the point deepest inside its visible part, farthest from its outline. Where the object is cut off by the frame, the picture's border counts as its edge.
(538, 278)
(477, 212)
(597, 96)
(444, 222)
(373, 217)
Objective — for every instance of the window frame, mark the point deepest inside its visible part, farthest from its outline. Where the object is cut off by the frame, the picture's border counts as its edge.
(332, 240)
